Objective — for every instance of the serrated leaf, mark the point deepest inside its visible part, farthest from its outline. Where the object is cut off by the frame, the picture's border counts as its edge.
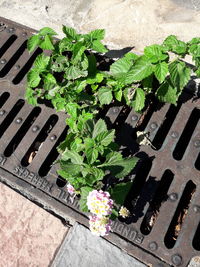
(73, 72)
(70, 33)
(30, 96)
(47, 30)
(98, 47)
(106, 137)
(140, 70)
(78, 50)
(72, 109)
(118, 95)
(47, 43)
(33, 78)
(120, 167)
(155, 53)
(195, 40)
(92, 68)
(98, 78)
(73, 156)
(120, 67)
(179, 74)
(91, 155)
(49, 79)
(83, 200)
(33, 42)
(99, 127)
(98, 34)
(166, 93)
(105, 95)
(175, 45)
(89, 143)
(138, 101)
(70, 168)
(161, 70)
(120, 192)
(131, 56)
(41, 62)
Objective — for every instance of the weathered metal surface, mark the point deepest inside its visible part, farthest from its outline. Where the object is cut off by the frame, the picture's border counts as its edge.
(164, 200)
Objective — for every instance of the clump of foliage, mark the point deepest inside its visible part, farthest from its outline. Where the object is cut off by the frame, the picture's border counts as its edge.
(70, 79)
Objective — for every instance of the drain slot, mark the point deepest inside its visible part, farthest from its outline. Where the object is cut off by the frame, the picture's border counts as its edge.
(3, 98)
(13, 60)
(61, 182)
(37, 144)
(154, 207)
(22, 132)
(179, 216)
(197, 163)
(165, 127)
(11, 115)
(7, 44)
(25, 69)
(52, 156)
(186, 135)
(196, 242)
(133, 198)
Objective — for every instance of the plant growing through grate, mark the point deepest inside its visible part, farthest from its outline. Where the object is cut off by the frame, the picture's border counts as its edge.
(157, 171)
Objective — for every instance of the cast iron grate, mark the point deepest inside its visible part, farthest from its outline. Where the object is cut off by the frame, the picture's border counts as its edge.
(165, 197)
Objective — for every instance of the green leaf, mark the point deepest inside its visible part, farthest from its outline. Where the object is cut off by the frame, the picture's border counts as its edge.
(73, 156)
(50, 79)
(118, 95)
(161, 70)
(120, 192)
(98, 47)
(131, 56)
(92, 68)
(47, 43)
(98, 34)
(33, 42)
(106, 137)
(91, 155)
(119, 167)
(99, 127)
(83, 201)
(105, 95)
(78, 50)
(72, 109)
(41, 62)
(120, 67)
(195, 40)
(30, 96)
(175, 45)
(167, 93)
(94, 175)
(33, 78)
(47, 30)
(70, 33)
(155, 53)
(179, 74)
(73, 72)
(70, 168)
(98, 78)
(138, 101)
(89, 143)
(140, 70)
(198, 72)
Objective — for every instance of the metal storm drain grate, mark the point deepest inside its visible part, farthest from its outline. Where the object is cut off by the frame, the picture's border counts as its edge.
(165, 198)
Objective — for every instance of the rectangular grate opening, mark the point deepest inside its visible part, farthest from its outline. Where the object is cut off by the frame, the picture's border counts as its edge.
(179, 216)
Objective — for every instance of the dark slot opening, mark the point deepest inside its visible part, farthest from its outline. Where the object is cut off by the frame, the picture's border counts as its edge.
(122, 117)
(37, 144)
(165, 127)
(197, 163)
(52, 156)
(154, 207)
(186, 135)
(138, 183)
(25, 69)
(196, 242)
(3, 98)
(11, 115)
(61, 182)
(7, 44)
(21, 132)
(13, 60)
(179, 216)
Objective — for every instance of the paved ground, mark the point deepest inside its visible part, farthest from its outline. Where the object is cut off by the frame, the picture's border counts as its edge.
(29, 236)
